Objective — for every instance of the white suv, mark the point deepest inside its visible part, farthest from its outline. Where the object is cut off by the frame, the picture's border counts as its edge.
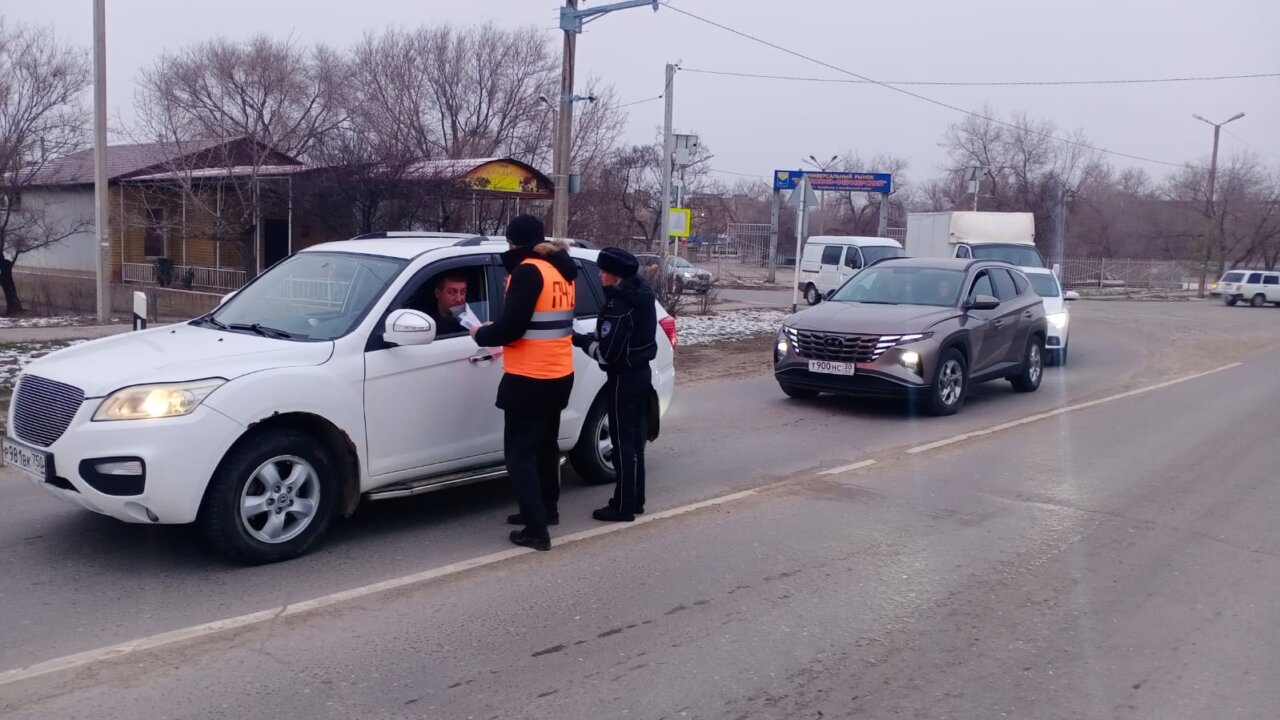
(322, 382)
(1255, 286)
(1056, 313)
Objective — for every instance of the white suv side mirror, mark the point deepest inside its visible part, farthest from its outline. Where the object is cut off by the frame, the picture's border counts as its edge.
(409, 327)
(1071, 295)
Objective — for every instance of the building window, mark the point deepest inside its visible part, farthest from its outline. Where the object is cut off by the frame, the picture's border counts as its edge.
(153, 242)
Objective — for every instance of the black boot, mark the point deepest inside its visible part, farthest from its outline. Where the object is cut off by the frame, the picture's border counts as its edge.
(518, 519)
(522, 537)
(611, 513)
(613, 505)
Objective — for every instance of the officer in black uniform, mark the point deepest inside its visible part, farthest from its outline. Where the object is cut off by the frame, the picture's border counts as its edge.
(624, 342)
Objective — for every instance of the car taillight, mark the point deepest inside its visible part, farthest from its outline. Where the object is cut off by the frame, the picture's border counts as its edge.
(669, 326)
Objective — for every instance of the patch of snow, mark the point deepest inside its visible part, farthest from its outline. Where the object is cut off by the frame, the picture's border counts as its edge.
(43, 322)
(728, 325)
(14, 357)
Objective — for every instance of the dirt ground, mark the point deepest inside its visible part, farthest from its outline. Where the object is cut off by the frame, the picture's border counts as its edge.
(724, 360)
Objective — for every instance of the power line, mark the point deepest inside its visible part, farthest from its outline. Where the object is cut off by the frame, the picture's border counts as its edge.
(756, 176)
(1013, 83)
(1246, 142)
(909, 93)
(637, 102)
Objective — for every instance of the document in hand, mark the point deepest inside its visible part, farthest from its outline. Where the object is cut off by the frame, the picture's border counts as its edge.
(466, 316)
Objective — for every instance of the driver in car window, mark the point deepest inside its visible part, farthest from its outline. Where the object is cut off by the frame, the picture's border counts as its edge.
(946, 291)
(450, 291)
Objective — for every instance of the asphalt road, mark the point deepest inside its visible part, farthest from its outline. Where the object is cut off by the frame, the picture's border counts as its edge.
(1118, 560)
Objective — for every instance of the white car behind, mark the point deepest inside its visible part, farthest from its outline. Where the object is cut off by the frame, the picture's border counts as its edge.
(321, 383)
(1056, 312)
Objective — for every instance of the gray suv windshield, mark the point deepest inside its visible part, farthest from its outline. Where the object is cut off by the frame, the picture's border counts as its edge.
(903, 286)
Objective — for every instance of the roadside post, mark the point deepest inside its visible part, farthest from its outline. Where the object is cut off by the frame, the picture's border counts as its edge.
(139, 311)
(802, 199)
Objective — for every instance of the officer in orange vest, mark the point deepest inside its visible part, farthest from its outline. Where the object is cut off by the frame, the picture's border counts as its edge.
(536, 330)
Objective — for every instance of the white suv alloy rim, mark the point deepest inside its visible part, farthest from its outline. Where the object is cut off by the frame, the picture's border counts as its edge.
(280, 500)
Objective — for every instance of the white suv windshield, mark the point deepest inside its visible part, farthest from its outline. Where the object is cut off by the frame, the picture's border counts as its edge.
(903, 286)
(1044, 285)
(310, 296)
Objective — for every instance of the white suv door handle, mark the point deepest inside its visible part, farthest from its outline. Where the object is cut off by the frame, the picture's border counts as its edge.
(480, 357)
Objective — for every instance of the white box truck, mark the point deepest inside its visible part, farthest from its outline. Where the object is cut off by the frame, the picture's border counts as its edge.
(1008, 236)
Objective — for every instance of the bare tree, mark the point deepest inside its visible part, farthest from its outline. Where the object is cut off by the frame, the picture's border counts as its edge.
(267, 102)
(442, 92)
(42, 117)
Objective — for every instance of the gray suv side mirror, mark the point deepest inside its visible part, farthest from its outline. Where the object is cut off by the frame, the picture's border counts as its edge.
(983, 302)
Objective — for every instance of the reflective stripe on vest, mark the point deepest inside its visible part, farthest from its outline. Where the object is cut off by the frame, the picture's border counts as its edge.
(546, 350)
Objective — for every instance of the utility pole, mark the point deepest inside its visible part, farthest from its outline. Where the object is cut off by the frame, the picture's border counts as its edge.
(1210, 224)
(100, 199)
(564, 134)
(882, 216)
(1213, 161)
(572, 20)
(772, 262)
(668, 157)
(1059, 221)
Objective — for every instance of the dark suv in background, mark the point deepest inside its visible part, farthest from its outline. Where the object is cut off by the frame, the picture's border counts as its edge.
(917, 327)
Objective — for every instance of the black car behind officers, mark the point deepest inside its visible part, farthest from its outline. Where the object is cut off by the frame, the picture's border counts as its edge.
(623, 344)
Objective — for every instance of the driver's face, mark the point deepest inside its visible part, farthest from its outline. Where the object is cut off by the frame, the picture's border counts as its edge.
(451, 294)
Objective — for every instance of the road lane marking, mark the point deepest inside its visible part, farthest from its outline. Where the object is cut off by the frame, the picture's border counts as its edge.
(196, 632)
(848, 468)
(1062, 411)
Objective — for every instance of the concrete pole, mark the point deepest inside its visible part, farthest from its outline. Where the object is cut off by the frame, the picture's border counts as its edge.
(773, 237)
(100, 199)
(564, 135)
(1059, 222)
(801, 221)
(882, 228)
(668, 154)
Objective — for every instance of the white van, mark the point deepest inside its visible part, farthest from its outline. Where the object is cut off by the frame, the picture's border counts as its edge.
(1257, 287)
(829, 260)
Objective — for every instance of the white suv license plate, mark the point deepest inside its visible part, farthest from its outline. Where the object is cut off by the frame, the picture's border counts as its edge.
(828, 367)
(32, 463)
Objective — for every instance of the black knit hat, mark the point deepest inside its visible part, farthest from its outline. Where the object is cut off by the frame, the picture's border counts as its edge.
(526, 231)
(618, 262)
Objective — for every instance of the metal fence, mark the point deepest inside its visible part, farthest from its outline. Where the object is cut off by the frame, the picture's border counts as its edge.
(739, 255)
(205, 278)
(1130, 273)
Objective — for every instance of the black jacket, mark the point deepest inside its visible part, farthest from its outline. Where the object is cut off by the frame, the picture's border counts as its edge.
(518, 393)
(625, 336)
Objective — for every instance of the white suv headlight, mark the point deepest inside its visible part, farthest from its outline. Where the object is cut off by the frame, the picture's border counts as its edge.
(144, 402)
(1057, 321)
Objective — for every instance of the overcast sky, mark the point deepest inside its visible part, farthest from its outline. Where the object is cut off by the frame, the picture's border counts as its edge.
(754, 126)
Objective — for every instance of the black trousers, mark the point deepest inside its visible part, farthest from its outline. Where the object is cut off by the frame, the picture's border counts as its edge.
(531, 445)
(628, 395)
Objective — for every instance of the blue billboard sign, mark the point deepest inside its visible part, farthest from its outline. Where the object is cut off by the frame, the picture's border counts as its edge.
(834, 181)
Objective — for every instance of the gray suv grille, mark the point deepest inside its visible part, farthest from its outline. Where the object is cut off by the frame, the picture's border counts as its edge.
(43, 409)
(838, 347)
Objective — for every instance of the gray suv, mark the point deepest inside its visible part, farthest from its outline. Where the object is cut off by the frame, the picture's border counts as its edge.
(920, 328)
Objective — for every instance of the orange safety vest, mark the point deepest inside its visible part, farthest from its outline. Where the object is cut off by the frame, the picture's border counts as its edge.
(546, 350)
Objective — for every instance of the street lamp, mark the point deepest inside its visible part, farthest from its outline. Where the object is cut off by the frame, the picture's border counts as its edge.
(822, 196)
(1213, 162)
